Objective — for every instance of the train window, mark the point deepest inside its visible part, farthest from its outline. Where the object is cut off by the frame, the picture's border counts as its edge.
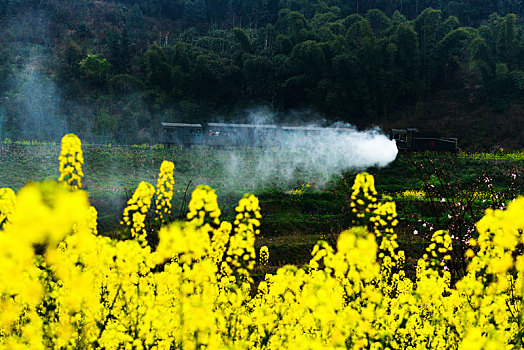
(400, 137)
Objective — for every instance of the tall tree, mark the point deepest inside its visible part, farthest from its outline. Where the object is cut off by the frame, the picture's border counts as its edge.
(157, 69)
(195, 11)
(507, 45)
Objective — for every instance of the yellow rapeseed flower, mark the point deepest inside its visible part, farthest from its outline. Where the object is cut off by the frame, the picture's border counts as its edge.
(136, 211)
(65, 286)
(71, 160)
(164, 191)
(7, 204)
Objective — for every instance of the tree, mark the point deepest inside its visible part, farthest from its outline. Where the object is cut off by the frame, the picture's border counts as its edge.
(322, 20)
(343, 93)
(360, 34)
(449, 52)
(427, 26)
(378, 21)
(125, 83)
(507, 40)
(209, 74)
(283, 44)
(294, 25)
(195, 11)
(407, 61)
(151, 7)
(95, 70)
(157, 69)
(72, 57)
(397, 19)
(182, 55)
(241, 38)
(307, 57)
(217, 10)
(119, 51)
(259, 77)
(134, 25)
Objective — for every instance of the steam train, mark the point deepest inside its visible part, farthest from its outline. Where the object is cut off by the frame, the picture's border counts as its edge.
(411, 139)
(222, 135)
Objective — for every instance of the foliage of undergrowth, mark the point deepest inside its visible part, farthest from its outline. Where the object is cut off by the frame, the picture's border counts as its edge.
(63, 285)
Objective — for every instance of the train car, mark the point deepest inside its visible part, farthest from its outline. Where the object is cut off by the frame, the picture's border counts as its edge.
(181, 134)
(267, 136)
(308, 136)
(224, 135)
(411, 139)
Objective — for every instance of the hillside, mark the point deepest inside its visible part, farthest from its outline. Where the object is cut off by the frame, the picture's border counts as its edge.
(111, 71)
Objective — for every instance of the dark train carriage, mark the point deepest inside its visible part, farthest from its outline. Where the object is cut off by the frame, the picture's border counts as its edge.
(302, 130)
(223, 135)
(241, 135)
(308, 136)
(401, 138)
(181, 134)
(299, 136)
(266, 136)
(413, 140)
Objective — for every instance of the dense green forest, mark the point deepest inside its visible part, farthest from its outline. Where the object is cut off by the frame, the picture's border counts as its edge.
(110, 71)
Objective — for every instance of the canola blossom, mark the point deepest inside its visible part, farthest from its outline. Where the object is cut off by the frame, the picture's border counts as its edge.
(65, 286)
(164, 190)
(71, 160)
(7, 204)
(264, 256)
(137, 207)
(412, 195)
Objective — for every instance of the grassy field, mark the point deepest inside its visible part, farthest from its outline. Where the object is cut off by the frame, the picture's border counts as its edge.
(292, 220)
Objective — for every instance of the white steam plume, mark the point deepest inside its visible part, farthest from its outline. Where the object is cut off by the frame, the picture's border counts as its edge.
(318, 156)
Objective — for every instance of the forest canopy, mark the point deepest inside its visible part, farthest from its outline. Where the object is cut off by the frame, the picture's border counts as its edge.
(112, 70)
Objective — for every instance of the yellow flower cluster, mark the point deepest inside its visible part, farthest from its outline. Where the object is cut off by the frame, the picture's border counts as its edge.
(300, 191)
(382, 214)
(63, 286)
(439, 249)
(136, 211)
(7, 204)
(384, 221)
(515, 155)
(264, 256)
(164, 190)
(363, 198)
(240, 254)
(92, 220)
(44, 215)
(477, 195)
(412, 195)
(71, 160)
(203, 200)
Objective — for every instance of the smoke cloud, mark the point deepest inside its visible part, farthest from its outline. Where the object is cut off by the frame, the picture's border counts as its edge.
(31, 100)
(309, 152)
(39, 99)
